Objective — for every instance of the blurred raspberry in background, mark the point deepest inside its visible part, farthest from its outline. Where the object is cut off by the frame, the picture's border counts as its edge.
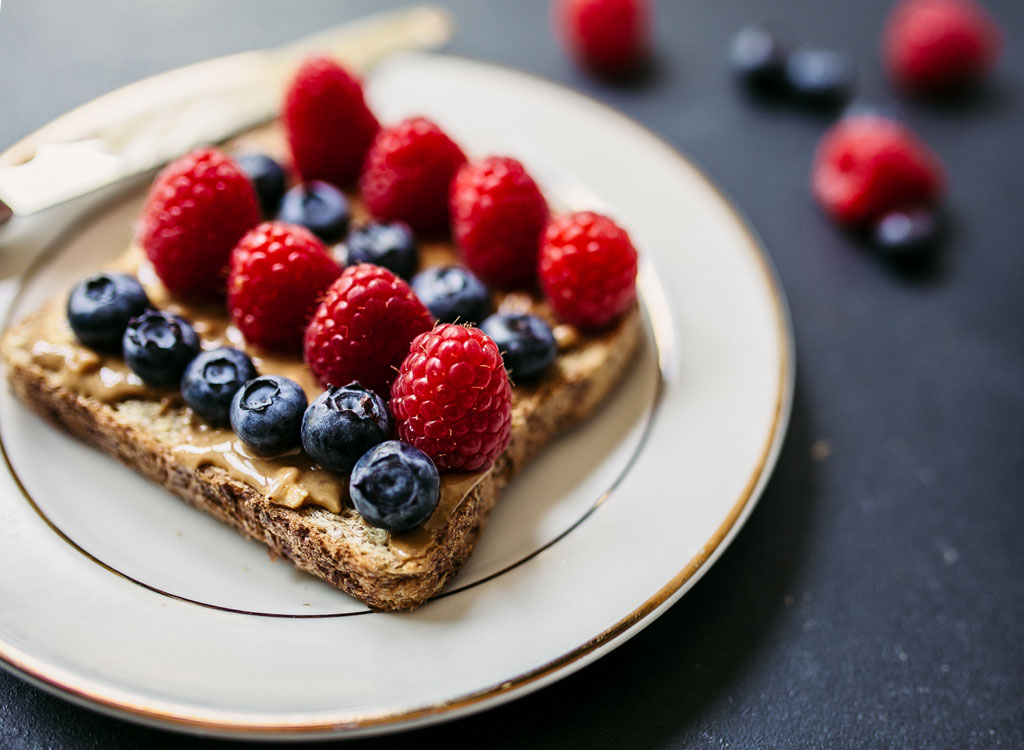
(940, 46)
(610, 37)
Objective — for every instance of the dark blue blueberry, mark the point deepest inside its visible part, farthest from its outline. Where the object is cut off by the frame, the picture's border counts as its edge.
(266, 414)
(267, 178)
(342, 424)
(100, 307)
(525, 342)
(821, 77)
(318, 206)
(395, 486)
(389, 245)
(758, 58)
(158, 347)
(907, 235)
(452, 294)
(211, 381)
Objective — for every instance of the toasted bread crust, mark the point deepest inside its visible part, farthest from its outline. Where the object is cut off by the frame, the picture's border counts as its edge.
(339, 548)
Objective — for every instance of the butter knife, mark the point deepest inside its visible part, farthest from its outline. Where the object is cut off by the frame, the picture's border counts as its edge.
(139, 127)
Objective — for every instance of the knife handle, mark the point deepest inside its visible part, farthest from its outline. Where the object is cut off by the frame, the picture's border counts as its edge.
(363, 43)
(358, 45)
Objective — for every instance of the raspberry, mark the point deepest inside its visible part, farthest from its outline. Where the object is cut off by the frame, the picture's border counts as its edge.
(608, 36)
(452, 398)
(498, 214)
(278, 273)
(362, 328)
(587, 269)
(938, 46)
(197, 208)
(407, 174)
(867, 166)
(328, 124)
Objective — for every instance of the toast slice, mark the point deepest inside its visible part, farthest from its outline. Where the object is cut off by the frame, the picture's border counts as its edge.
(95, 399)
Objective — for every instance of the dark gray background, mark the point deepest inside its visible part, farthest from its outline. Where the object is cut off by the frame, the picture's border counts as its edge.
(875, 597)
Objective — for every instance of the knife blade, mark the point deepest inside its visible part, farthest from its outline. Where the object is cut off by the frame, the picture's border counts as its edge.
(146, 124)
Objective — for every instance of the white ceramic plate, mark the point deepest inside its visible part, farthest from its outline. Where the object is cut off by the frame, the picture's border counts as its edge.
(117, 595)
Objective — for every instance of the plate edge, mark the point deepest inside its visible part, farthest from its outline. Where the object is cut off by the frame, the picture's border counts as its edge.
(378, 722)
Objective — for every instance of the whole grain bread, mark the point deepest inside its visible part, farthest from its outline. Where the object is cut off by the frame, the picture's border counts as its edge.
(339, 548)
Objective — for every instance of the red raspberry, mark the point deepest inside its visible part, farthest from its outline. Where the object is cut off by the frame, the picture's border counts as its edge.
(197, 208)
(937, 46)
(278, 274)
(587, 269)
(498, 214)
(452, 398)
(867, 166)
(328, 124)
(608, 36)
(407, 174)
(362, 329)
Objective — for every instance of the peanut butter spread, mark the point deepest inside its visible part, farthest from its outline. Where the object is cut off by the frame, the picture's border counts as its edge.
(292, 480)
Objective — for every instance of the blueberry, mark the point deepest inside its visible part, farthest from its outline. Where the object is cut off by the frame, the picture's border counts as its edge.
(525, 341)
(395, 486)
(820, 77)
(452, 294)
(318, 206)
(211, 381)
(158, 346)
(267, 178)
(758, 58)
(266, 414)
(342, 424)
(907, 235)
(389, 245)
(100, 307)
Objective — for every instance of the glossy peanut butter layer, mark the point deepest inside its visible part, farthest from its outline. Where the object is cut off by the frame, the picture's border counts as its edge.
(292, 480)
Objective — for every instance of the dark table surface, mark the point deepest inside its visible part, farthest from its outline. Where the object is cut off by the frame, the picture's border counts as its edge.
(875, 598)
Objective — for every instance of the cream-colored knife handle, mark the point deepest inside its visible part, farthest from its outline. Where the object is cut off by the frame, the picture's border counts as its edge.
(361, 44)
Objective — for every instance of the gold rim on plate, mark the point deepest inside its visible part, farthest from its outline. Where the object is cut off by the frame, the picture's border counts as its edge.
(47, 677)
